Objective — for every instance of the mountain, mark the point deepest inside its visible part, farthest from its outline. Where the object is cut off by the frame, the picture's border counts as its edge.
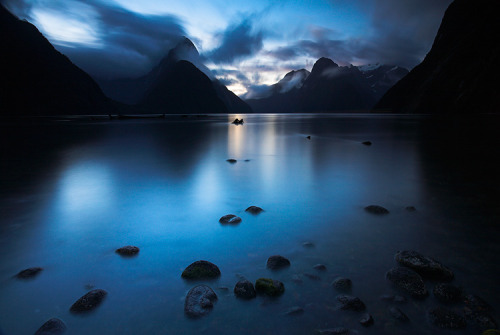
(460, 73)
(36, 79)
(180, 83)
(328, 87)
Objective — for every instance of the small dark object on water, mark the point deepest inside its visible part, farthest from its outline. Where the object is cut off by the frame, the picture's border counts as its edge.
(410, 208)
(230, 219)
(199, 301)
(254, 210)
(201, 270)
(277, 262)
(320, 267)
(245, 290)
(53, 326)
(398, 314)
(367, 143)
(247, 160)
(128, 250)
(308, 137)
(445, 318)
(269, 287)
(366, 320)
(375, 209)
(351, 303)
(308, 244)
(231, 160)
(29, 273)
(237, 121)
(89, 301)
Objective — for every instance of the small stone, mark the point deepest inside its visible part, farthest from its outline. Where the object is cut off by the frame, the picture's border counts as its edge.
(308, 137)
(245, 290)
(277, 262)
(53, 326)
(375, 209)
(89, 301)
(342, 284)
(423, 265)
(230, 219)
(447, 293)
(367, 143)
(127, 251)
(29, 273)
(254, 210)
(199, 301)
(445, 318)
(366, 320)
(408, 280)
(201, 270)
(320, 267)
(333, 331)
(398, 314)
(351, 303)
(269, 287)
(296, 310)
(231, 160)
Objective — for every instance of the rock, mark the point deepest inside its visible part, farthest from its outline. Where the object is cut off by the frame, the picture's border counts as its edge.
(254, 210)
(410, 208)
(199, 301)
(476, 310)
(408, 280)
(230, 219)
(277, 262)
(320, 267)
(269, 287)
(476, 304)
(374, 209)
(53, 326)
(308, 137)
(128, 250)
(366, 320)
(245, 290)
(237, 121)
(89, 301)
(398, 314)
(342, 284)
(351, 303)
(201, 270)
(333, 331)
(483, 321)
(296, 310)
(311, 276)
(231, 160)
(29, 273)
(447, 293)
(367, 143)
(445, 318)
(423, 265)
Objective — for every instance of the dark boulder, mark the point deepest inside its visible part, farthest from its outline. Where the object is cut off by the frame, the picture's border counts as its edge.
(423, 265)
(29, 273)
(375, 209)
(445, 318)
(230, 219)
(245, 290)
(277, 262)
(407, 280)
(342, 284)
(89, 301)
(201, 270)
(199, 301)
(447, 293)
(254, 210)
(269, 287)
(53, 326)
(398, 314)
(128, 250)
(366, 320)
(351, 303)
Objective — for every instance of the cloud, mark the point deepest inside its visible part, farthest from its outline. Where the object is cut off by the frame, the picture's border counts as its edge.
(237, 42)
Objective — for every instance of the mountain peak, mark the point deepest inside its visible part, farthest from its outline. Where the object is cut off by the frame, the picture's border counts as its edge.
(322, 64)
(184, 50)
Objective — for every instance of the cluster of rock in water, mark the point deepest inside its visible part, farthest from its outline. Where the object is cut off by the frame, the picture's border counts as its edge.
(408, 277)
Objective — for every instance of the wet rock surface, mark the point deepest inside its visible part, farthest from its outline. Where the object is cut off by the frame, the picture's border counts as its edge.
(269, 287)
(127, 251)
(427, 267)
(447, 293)
(201, 270)
(199, 301)
(277, 262)
(254, 210)
(342, 284)
(29, 273)
(53, 326)
(244, 290)
(445, 318)
(375, 209)
(398, 314)
(89, 301)
(230, 219)
(407, 280)
(351, 303)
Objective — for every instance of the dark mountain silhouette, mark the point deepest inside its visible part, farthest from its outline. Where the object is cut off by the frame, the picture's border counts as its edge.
(328, 88)
(460, 73)
(180, 83)
(36, 79)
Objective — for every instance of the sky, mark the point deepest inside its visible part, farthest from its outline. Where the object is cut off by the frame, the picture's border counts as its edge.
(246, 44)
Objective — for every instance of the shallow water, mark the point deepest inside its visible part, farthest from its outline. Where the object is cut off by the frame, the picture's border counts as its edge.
(74, 190)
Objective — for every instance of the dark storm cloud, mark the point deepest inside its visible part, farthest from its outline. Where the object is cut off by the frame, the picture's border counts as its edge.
(131, 43)
(237, 42)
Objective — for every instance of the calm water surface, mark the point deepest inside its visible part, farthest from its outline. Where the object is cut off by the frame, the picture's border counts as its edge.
(72, 191)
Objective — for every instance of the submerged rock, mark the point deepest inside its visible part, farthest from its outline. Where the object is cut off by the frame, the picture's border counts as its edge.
(277, 262)
(231, 160)
(423, 265)
(445, 318)
(199, 301)
(89, 301)
(333, 331)
(375, 209)
(342, 284)
(398, 314)
(320, 267)
(53, 326)
(254, 210)
(308, 244)
(351, 303)
(366, 320)
(408, 280)
(296, 310)
(29, 273)
(269, 287)
(128, 250)
(245, 289)
(230, 219)
(447, 293)
(201, 270)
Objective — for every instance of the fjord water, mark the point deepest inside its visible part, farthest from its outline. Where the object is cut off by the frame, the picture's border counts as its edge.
(74, 190)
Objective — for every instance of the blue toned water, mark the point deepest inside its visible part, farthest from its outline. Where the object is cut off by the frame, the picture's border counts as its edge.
(74, 190)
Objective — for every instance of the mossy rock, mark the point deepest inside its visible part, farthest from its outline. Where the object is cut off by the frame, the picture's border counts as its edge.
(201, 270)
(269, 287)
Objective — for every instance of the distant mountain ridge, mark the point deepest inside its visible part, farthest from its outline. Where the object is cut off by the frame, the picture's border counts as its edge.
(460, 73)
